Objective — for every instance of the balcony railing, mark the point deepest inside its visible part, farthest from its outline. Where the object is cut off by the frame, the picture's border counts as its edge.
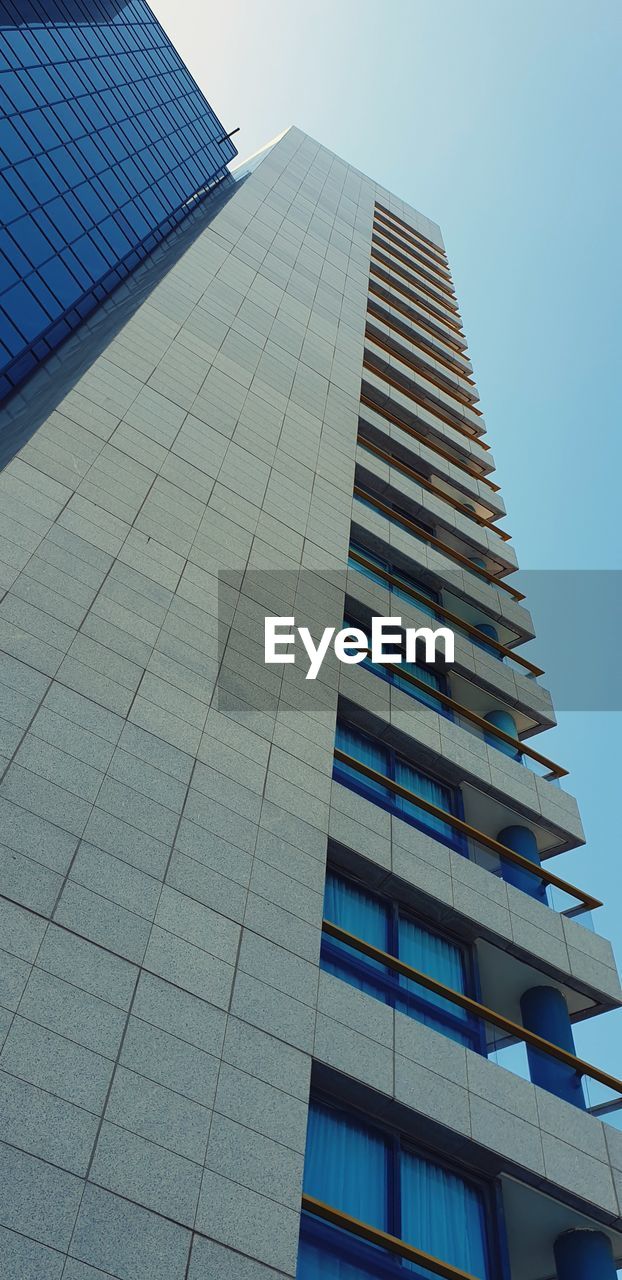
(451, 360)
(511, 1032)
(403, 254)
(423, 398)
(397, 518)
(463, 508)
(383, 1240)
(471, 632)
(444, 301)
(479, 847)
(462, 463)
(473, 723)
(447, 327)
(418, 363)
(416, 238)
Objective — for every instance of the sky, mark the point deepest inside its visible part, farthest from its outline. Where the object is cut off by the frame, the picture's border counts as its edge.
(501, 121)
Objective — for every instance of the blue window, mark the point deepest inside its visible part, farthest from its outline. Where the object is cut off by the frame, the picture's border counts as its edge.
(399, 510)
(374, 1176)
(401, 574)
(88, 98)
(382, 923)
(377, 756)
(428, 675)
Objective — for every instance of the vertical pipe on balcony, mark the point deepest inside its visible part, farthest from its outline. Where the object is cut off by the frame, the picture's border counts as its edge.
(545, 1011)
(487, 629)
(522, 840)
(503, 720)
(584, 1255)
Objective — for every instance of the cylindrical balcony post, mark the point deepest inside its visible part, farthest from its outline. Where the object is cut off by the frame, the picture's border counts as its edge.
(584, 1255)
(503, 720)
(522, 840)
(487, 629)
(545, 1011)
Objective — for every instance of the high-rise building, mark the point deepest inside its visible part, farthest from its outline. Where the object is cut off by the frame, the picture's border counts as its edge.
(289, 983)
(105, 142)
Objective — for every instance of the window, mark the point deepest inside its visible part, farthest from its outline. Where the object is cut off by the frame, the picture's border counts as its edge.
(385, 925)
(79, 93)
(366, 500)
(382, 759)
(401, 574)
(428, 675)
(376, 1177)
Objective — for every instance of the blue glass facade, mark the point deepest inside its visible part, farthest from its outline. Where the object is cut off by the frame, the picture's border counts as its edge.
(105, 138)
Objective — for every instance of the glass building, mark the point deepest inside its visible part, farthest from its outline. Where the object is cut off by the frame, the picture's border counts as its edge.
(289, 981)
(105, 142)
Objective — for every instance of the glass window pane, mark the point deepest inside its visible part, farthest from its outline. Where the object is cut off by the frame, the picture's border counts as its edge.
(444, 1215)
(347, 1165)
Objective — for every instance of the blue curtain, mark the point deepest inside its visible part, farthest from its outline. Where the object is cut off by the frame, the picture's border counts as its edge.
(363, 748)
(327, 1253)
(369, 555)
(418, 586)
(443, 1215)
(405, 577)
(366, 917)
(429, 789)
(347, 1165)
(429, 677)
(442, 959)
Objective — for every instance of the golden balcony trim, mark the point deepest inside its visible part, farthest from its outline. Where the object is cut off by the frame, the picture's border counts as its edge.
(555, 770)
(405, 311)
(427, 484)
(459, 622)
(430, 375)
(414, 275)
(437, 543)
(429, 442)
(440, 274)
(416, 341)
(410, 233)
(439, 316)
(465, 828)
(420, 398)
(513, 1029)
(373, 1235)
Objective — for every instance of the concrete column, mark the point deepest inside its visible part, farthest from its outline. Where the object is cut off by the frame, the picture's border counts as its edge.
(584, 1255)
(522, 840)
(545, 1011)
(503, 720)
(487, 629)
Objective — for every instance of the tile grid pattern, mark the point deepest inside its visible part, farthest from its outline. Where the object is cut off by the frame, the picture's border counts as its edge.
(162, 861)
(164, 839)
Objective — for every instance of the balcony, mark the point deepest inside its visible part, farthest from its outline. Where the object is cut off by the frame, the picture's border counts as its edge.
(460, 448)
(374, 589)
(386, 430)
(459, 528)
(429, 387)
(446, 373)
(417, 277)
(387, 284)
(437, 275)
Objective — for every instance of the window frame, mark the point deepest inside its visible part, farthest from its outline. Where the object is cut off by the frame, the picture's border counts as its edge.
(331, 950)
(497, 1259)
(365, 788)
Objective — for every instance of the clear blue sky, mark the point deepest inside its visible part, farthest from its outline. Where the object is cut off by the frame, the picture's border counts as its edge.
(500, 120)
